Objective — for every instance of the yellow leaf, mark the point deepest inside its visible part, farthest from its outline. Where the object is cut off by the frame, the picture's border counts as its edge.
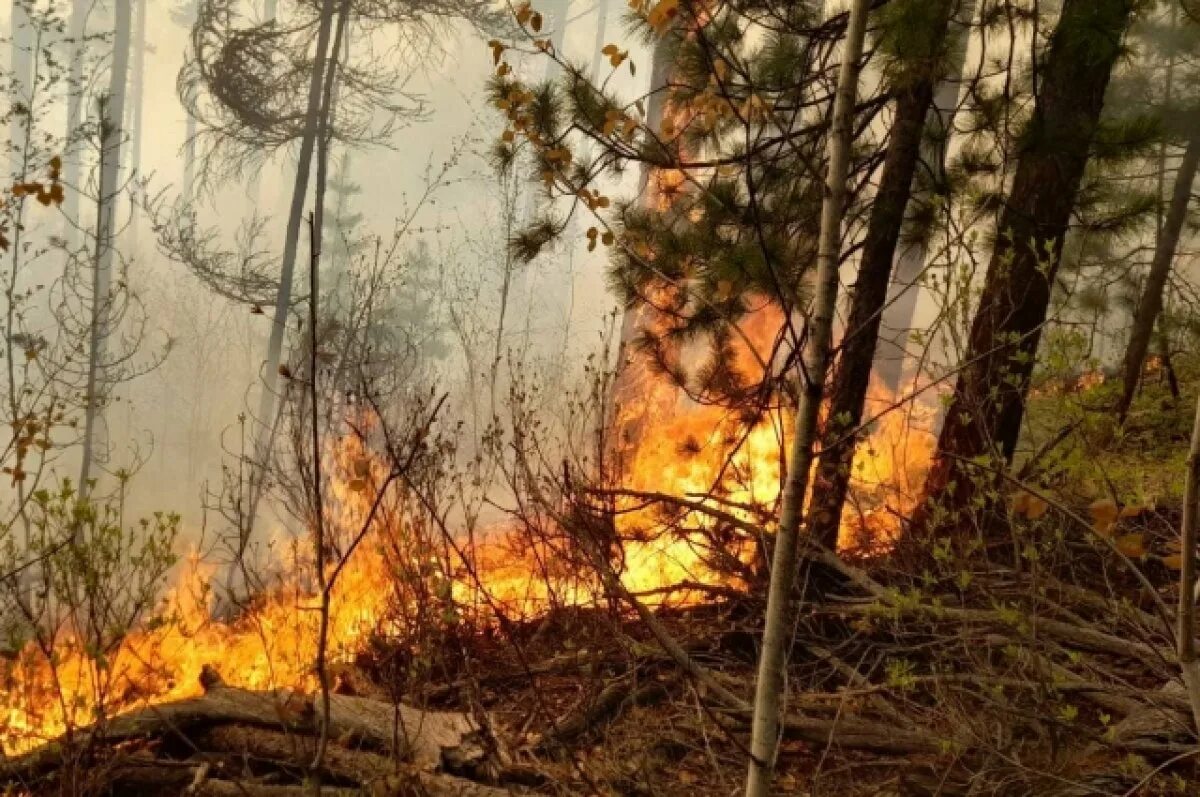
(1173, 561)
(1036, 508)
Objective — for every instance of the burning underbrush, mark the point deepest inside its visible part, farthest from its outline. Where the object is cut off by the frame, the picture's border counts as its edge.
(602, 639)
(399, 576)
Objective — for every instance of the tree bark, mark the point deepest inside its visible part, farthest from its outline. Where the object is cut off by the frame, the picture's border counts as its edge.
(267, 402)
(984, 417)
(111, 133)
(137, 100)
(853, 374)
(72, 177)
(899, 311)
(777, 625)
(1186, 631)
(1150, 305)
(22, 79)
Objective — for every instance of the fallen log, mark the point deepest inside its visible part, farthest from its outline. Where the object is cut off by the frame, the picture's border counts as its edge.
(424, 740)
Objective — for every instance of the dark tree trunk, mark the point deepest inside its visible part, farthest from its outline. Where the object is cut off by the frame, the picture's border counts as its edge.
(898, 315)
(853, 375)
(984, 419)
(1151, 302)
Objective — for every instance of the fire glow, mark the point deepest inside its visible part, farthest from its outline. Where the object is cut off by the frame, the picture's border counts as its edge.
(699, 452)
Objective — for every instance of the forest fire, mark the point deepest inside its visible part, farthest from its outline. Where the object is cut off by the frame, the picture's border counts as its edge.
(273, 643)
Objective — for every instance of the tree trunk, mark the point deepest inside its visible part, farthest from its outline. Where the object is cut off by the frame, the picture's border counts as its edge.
(899, 311)
(1151, 302)
(853, 374)
(73, 171)
(111, 134)
(136, 99)
(777, 625)
(1186, 630)
(22, 79)
(267, 403)
(984, 418)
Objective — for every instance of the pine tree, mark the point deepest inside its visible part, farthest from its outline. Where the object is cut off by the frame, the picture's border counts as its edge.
(984, 418)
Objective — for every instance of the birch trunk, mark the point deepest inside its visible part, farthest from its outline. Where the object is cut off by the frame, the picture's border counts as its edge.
(772, 661)
(111, 134)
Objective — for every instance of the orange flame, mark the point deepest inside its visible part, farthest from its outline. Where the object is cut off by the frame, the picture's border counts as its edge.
(701, 452)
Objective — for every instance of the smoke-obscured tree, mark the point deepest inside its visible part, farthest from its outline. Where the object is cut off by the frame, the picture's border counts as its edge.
(112, 137)
(77, 55)
(184, 14)
(24, 39)
(984, 418)
(257, 87)
(1179, 110)
(54, 373)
